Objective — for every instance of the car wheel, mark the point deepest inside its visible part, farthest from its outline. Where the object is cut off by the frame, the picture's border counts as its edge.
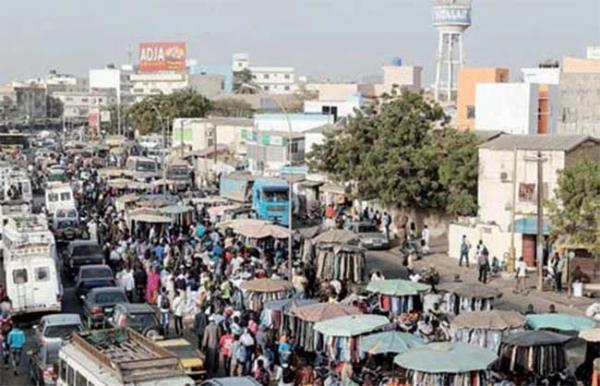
(152, 334)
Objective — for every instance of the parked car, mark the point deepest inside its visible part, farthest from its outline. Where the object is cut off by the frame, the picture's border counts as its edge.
(369, 235)
(43, 364)
(80, 253)
(56, 327)
(93, 276)
(231, 381)
(100, 303)
(189, 358)
(140, 317)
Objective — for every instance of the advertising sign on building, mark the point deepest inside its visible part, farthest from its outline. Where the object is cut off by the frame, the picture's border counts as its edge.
(162, 56)
(105, 116)
(94, 121)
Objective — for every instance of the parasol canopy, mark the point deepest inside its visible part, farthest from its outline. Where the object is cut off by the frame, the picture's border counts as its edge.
(389, 342)
(150, 218)
(445, 357)
(591, 335)
(534, 338)
(489, 320)
(337, 236)
(351, 325)
(175, 209)
(471, 290)
(285, 305)
(256, 229)
(266, 285)
(397, 287)
(562, 322)
(323, 311)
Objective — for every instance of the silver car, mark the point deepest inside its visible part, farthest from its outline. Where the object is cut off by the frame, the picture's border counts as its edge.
(369, 235)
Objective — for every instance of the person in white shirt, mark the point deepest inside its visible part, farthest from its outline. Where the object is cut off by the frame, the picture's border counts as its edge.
(425, 239)
(178, 309)
(128, 282)
(521, 269)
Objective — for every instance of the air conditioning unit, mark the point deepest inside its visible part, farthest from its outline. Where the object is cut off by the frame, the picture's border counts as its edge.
(504, 177)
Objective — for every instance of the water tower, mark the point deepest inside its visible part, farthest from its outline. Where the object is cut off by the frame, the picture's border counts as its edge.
(451, 18)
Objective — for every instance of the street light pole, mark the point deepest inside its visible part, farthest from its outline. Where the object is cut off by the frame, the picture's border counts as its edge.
(539, 159)
(162, 126)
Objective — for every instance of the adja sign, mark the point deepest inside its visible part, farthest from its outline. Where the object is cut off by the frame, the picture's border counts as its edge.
(162, 56)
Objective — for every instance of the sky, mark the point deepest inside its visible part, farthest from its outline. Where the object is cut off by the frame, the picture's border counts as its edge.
(336, 39)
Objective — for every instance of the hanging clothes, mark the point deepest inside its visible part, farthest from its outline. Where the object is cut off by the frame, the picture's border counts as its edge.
(541, 360)
(474, 378)
(344, 263)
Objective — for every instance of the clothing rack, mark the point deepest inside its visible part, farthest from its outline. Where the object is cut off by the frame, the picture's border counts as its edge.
(541, 360)
(489, 339)
(397, 305)
(453, 304)
(343, 349)
(340, 263)
(474, 378)
(254, 300)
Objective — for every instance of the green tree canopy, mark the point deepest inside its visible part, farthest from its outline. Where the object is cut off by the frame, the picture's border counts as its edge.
(241, 79)
(232, 107)
(403, 156)
(54, 107)
(188, 103)
(575, 213)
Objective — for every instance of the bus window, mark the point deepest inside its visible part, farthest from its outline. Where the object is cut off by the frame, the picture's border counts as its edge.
(70, 376)
(63, 371)
(80, 379)
(52, 197)
(20, 276)
(42, 274)
(65, 196)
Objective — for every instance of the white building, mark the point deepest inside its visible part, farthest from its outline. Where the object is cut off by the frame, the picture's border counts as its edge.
(146, 84)
(593, 52)
(496, 190)
(200, 133)
(77, 105)
(271, 79)
(298, 122)
(338, 108)
(550, 76)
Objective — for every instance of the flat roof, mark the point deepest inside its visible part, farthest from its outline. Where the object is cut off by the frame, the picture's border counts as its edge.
(541, 142)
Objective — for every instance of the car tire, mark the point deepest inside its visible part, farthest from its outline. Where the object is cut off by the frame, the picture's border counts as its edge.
(151, 334)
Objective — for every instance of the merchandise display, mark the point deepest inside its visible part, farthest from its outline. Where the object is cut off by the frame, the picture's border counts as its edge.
(340, 262)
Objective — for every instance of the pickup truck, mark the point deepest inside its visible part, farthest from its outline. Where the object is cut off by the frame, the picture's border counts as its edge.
(99, 305)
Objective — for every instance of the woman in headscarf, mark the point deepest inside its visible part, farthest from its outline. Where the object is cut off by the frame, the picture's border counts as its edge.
(153, 286)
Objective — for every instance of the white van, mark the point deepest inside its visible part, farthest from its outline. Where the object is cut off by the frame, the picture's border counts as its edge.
(59, 196)
(142, 168)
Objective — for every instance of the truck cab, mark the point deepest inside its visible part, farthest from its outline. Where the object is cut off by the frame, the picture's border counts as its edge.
(59, 196)
(180, 172)
(270, 200)
(142, 167)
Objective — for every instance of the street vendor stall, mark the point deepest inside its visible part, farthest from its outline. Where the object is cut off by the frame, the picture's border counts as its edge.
(559, 322)
(467, 297)
(259, 291)
(447, 364)
(181, 214)
(315, 236)
(275, 313)
(340, 262)
(485, 328)
(126, 201)
(398, 296)
(302, 322)
(342, 334)
(532, 352)
(254, 232)
(592, 351)
(389, 342)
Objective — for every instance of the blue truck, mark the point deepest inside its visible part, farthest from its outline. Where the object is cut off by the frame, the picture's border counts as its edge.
(269, 196)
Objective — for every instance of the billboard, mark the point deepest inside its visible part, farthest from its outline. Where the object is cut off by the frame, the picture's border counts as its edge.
(162, 56)
(94, 122)
(452, 15)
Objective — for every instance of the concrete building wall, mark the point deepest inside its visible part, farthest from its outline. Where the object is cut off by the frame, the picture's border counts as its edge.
(223, 71)
(580, 66)
(299, 122)
(210, 86)
(275, 80)
(550, 76)
(334, 91)
(580, 101)
(508, 107)
(143, 85)
(77, 105)
(341, 109)
(468, 79)
(495, 239)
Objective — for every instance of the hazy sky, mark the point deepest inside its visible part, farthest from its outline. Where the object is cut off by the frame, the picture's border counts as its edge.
(322, 38)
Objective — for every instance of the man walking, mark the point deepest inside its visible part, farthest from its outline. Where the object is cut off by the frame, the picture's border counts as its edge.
(387, 222)
(559, 266)
(200, 322)
(16, 340)
(484, 265)
(521, 275)
(210, 345)
(465, 247)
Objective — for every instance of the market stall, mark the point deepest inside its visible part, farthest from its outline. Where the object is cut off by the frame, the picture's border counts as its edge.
(592, 351)
(389, 342)
(398, 296)
(342, 334)
(254, 232)
(274, 313)
(341, 262)
(315, 236)
(302, 322)
(532, 352)
(485, 328)
(559, 322)
(259, 291)
(446, 364)
(179, 213)
(467, 297)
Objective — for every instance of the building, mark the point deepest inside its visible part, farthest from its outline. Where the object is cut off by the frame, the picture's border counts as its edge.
(23, 101)
(327, 91)
(468, 79)
(580, 97)
(211, 80)
(338, 108)
(200, 133)
(271, 79)
(298, 122)
(77, 105)
(497, 190)
(516, 108)
(395, 76)
(267, 151)
(593, 52)
(113, 79)
(157, 83)
(541, 75)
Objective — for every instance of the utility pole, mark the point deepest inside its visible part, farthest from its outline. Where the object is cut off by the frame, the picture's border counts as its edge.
(540, 221)
(181, 137)
(513, 253)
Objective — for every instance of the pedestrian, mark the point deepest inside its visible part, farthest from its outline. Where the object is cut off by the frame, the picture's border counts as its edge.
(483, 263)
(128, 282)
(178, 310)
(387, 223)
(261, 374)
(16, 340)
(164, 305)
(200, 322)
(140, 278)
(225, 345)
(425, 240)
(152, 286)
(210, 346)
(521, 275)
(559, 266)
(465, 247)
(552, 309)
(530, 310)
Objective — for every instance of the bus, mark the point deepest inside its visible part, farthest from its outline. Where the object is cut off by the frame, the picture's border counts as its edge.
(9, 142)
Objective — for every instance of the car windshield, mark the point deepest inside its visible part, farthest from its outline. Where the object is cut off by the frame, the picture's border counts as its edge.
(63, 224)
(275, 195)
(367, 229)
(60, 331)
(110, 298)
(145, 166)
(99, 272)
(141, 320)
(178, 171)
(86, 250)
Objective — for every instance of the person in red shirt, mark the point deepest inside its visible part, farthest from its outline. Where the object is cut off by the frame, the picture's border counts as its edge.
(224, 349)
(330, 211)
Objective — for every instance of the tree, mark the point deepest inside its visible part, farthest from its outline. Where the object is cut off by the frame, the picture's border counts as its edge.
(575, 212)
(232, 107)
(240, 79)
(401, 156)
(54, 107)
(188, 103)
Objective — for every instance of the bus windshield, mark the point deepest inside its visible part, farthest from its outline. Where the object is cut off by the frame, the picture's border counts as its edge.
(279, 195)
(145, 166)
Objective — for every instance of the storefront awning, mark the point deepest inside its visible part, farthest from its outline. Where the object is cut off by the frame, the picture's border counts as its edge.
(528, 226)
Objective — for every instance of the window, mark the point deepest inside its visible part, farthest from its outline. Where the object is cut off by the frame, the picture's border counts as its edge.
(471, 112)
(287, 88)
(80, 379)
(20, 276)
(265, 76)
(287, 76)
(42, 274)
(294, 147)
(65, 196)
(266, 88)
(63, 370)
(84, 100)
(52, 197)
(70, 376)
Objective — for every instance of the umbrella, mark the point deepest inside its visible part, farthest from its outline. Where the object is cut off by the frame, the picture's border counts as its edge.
(562, 322)
(285, 305)
(534, 338)
(310, 232)
(592, 335)
(338, 236)
(323, 311)
(471, 290)
(489, 320)
(397, 287)
(256, 229)
(266, 285)
(175, 209)
(389, 342)
(351, 325)
(446, 357)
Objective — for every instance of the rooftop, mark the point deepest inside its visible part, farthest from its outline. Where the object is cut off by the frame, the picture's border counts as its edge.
(538, 142)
